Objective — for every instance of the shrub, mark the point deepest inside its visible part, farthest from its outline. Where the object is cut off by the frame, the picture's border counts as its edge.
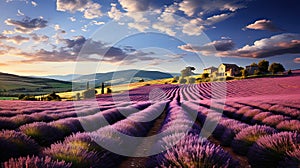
(248, 136)
(269, 150)
(182, 80)
(259, 117)
(15, 144)
(35, 162)
(191, 80)
(230, 133)
(43, 133)
(193, 151)
(80, 157)
(273, 120)
(89, 93)
(289, 125)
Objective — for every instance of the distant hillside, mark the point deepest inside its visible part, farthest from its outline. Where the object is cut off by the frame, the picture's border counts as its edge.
(14, 85)
(68, 77)
(122, 77)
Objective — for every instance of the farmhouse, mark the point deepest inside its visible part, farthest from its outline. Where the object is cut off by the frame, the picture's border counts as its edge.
(228, 70)
(210, 70)
(251, 69)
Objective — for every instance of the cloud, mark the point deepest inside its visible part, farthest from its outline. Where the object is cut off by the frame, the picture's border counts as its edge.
(3, 64)
(201, 7)
(90, 9)
(5, 32)
(94, 22)
(115, 13)
(92, 51)
(135, 5)
(33, 3)
(27, 25)
(20, 13)
(218, 18)
(39, 38)
(286, 43)
(15, 39)
(73, 19)
(209, 48)
(262, 25)
(297, 60)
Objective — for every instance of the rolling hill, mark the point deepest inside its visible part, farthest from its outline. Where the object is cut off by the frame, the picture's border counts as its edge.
(123, 77)
(14, 85)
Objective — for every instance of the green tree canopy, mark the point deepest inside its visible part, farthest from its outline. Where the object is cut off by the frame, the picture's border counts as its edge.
(263, 66)
(276, 67)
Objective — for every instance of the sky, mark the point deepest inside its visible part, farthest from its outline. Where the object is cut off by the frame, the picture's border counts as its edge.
(57, 37)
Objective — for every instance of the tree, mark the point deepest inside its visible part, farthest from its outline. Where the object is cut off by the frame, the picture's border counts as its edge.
(191, 80)
(263, 66)
(182, 81)
(253, 64)
(89, 93)
(187, 71)
(244, 73)
(276, 67)
(204, 75)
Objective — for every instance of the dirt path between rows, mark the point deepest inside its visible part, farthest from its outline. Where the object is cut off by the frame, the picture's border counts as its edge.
(141, 162)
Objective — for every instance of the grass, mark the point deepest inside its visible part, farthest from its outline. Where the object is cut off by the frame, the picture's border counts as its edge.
(9, 98)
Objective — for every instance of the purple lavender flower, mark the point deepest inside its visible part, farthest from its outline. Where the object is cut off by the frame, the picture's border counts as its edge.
(35, 162)
(289, 125)
(79, 156)
(43, 133)
(248, 136)
(269, 150)
(15, 144)
(193, 151)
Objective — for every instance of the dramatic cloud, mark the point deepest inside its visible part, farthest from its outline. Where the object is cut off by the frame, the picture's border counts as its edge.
(210, 48)
(135, 5)
(90, 9)
(200, 7)
(286, 43)
(297, 60)
(81, 49)
(262, 25)
(27, 25)
(15, 39)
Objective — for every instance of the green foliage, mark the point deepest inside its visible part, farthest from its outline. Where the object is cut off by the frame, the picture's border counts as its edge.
(52, 96)
(108, 90)
(182, 80)
(276, 67)
(89, 93)
(263, 66)
(257, 72)
(30, 98)
(244, 73)
(289, 72)
(204, 75)
(187, 71)
(191, 80)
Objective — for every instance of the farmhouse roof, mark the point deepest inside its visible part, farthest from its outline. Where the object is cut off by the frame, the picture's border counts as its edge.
(212, 67)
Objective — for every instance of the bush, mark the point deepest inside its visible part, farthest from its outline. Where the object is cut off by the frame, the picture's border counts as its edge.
(43, 133)
(15, 144)
(52, 96)
(35, 162)
(89, 93)
(269, 150)
(78, 156)
(182, 81)
(193, 151)
(248, 136)
(191, 80)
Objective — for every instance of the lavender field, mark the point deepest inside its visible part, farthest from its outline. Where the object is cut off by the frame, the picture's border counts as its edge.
(257, 126)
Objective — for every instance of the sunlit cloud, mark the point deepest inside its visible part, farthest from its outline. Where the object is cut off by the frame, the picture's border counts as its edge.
(263, 24)
(27, 25)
